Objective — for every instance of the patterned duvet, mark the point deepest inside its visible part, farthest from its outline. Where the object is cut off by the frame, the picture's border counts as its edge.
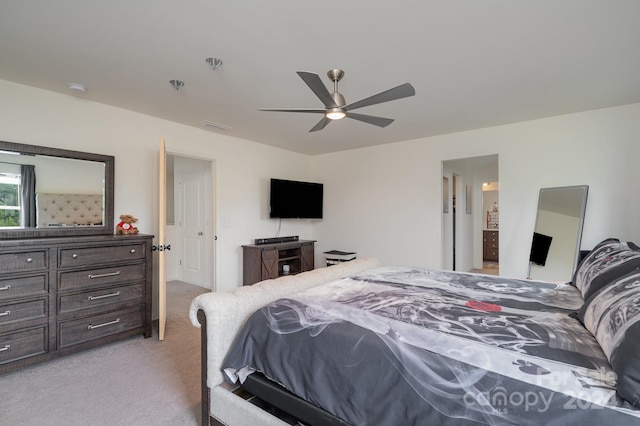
(413, 346)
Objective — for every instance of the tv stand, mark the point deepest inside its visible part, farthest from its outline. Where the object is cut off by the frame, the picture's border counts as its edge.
(266, 261)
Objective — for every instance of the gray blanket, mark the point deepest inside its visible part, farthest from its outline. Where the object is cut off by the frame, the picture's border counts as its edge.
(415, 346)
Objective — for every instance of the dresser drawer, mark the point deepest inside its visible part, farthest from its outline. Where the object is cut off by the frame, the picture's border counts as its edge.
(100, 298)
(24, 286)
(491, 254)
(99, 326)
(491, 238)
(11, 313)
(24, 261)
(22, 344)
(94, 255)
(91, 278)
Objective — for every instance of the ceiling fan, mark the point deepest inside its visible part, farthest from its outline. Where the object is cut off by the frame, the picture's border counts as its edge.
(335, 106)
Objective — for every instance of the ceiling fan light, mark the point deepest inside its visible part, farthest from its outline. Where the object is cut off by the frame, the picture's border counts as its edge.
(176, 84)
(214, 63)
(335, 114)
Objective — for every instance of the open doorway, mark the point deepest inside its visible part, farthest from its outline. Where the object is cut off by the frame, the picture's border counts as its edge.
(490, 228)
(463, 227)
(454, 218)
(190, 223)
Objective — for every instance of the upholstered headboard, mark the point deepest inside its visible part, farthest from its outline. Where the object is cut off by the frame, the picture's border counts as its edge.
(69, 209)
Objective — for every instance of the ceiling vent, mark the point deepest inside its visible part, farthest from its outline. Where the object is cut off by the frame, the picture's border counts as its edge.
(208, 123)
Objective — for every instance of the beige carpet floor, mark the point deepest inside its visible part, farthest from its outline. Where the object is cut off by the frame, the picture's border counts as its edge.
(133, 382)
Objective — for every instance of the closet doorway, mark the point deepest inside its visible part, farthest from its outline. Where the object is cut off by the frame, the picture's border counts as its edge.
(190, 220)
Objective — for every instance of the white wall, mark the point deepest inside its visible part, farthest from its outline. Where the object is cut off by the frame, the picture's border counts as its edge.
(385, 201)
(243, 168)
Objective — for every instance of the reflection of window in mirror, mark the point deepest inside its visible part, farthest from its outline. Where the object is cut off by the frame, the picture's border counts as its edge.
(9, 195)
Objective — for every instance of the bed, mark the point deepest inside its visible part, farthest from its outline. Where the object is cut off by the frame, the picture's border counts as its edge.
(364, 344)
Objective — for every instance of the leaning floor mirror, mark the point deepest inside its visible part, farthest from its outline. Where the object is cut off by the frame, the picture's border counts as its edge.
(555, 245)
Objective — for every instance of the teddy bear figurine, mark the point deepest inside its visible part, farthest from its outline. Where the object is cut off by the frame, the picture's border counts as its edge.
(126, 225)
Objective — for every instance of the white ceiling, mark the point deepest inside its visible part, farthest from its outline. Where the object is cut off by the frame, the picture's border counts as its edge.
(473, 64)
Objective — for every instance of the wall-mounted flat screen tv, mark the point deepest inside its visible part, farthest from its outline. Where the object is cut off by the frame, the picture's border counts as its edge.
(295, 199)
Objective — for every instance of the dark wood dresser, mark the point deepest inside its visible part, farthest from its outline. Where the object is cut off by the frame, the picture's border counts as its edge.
(63, 295)
(490, 246)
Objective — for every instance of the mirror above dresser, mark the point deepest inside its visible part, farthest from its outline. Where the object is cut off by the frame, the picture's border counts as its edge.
(50, 192)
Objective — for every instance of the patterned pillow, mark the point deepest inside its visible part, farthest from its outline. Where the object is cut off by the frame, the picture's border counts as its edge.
(587, 254)
(608, 261)
(612, 315)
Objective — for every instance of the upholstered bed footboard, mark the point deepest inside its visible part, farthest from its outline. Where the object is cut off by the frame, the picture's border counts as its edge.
(224, 313)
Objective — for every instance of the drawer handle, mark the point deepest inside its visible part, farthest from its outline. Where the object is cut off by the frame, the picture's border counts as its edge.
(109, 274)
(6, 287)
(74, 256)
(132, 251)
(29, 260)
(5, 313)
(5, 348)
(92, 327)
(104, 296)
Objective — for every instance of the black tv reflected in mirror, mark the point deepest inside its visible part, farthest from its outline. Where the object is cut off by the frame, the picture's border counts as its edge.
(290, 199)
(540, 248)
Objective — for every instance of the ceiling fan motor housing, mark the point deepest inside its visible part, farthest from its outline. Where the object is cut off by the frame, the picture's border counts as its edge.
(338, 98)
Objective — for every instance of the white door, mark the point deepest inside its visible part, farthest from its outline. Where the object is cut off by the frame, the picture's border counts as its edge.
(162, 225)
(194, 226)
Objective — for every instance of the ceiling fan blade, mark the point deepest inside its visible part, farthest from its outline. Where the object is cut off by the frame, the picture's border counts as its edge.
(370, 119)
(318, 87)
(293, 110)
(321, 124)
(398, 92)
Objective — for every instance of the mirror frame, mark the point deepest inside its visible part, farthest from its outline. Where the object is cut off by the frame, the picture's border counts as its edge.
(579, 231)
(108, 162)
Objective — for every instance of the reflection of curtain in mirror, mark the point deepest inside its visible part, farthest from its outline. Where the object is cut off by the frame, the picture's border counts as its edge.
(28, 196)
